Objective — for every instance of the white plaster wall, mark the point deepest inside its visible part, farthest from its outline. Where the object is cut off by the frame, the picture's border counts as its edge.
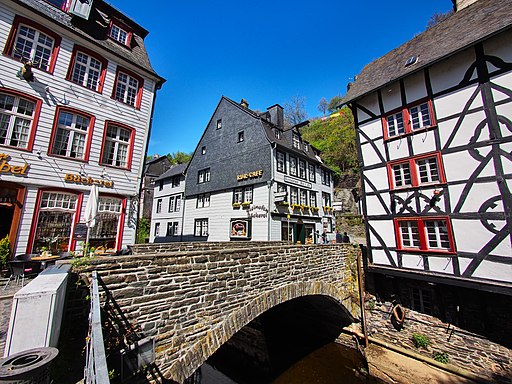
(478, 194)
(369, 154)
(460, 166)
(398, 149)
(380, 257)
(374, 205)
(415, 88)
(499, 46)
(475, 236)
(423, 142)
(448, 73)
(504, 80)
(378, 177)
(505, 111)
(386, 231)
(412, 261)
(370, 102)
(441, 264)
(372, 129)
(391, 98)
(453, 103)
(498, 271)
(465, 132)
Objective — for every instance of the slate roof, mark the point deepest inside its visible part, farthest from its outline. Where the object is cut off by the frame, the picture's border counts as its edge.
(96, 30)
(461, 30)
(178, 169)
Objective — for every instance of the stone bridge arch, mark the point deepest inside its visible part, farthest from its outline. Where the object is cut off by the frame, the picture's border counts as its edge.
(193, 297)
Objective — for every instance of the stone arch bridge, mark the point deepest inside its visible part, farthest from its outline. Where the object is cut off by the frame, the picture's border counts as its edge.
(193, 297)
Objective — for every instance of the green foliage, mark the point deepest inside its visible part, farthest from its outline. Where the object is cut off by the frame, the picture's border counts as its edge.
(441, 357)
(335, 137)
(420, 340)
(5, 251)
(143, 229)
(333, 104)
(179, 157)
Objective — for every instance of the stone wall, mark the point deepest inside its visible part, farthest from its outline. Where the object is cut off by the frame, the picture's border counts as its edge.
(193, 297)
(489, 360)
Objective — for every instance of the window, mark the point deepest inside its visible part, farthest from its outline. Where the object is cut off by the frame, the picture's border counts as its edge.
(71, 134)
(55, 220)
(326, 177)
(203, 176)
(302, 169)
(416, 171)
(219, 123)
(128, 88)
(159, 206)
(312, 199)
(18, 119)
(120, 34)
(293, 166)
(175, 203)
(117, 146)
(421, 301)
(295, 141)
(242, 195)
(282, 189)
(87, 69)
(108, 223)
(160, 185)
(326, 199)
(303, 196)
(306, 147)
(172, 228)
(61, 4)
(201, 227)
(203, 150)
(203, 200)
(294, 195)
(240, 136)
(281, 162)
(32, 42)
(157, 229)
(277, 133)
(176, 181)
(408, 119)
(311, 171)
(248, 195)
(424, 234)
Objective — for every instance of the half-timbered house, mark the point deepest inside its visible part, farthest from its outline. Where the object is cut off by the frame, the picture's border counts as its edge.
(434, 130)
(76, 98)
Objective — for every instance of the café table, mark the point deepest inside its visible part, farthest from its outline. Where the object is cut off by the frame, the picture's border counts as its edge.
(45, 260)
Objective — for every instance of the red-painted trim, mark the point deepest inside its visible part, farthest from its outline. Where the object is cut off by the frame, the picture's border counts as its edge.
(138, 99)
(414, 174)
(65, 5)
(125, 28)
(130, 145)
(37, 209)
(35, 120)
(423, 236)
(87, 51)
(90, 130)
(406, 118)
(120, 230)
(8, 49)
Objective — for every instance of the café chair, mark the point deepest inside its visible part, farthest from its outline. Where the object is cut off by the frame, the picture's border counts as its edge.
(19, 269)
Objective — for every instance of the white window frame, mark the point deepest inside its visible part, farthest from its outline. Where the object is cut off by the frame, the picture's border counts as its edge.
(127, 88)
(203, 200)
(87, 71)
(18, 125)
(200, 227)
(117, 146)
(70, 140)
(402, 173)
(119, 34)
(29, 45)
(203, 176)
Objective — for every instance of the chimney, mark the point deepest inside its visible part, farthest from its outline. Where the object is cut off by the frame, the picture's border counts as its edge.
(244, 104)
(461, 4)
(276, 115)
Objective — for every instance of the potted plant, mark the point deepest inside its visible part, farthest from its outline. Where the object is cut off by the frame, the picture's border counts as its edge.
(5, 251)
(236, 205)
(246, 204)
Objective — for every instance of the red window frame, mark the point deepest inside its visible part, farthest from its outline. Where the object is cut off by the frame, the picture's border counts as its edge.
(125, 28)
(37, 112)
(423, 235)
(130, 146)
(35, 217)
(406, 118)
(87, 51)
(63, 7)
(122, 217)
(138, 99)
(415, 178)
(9, 46)
(87, 149)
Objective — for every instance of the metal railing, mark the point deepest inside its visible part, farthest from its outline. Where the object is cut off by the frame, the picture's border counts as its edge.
(96, 371)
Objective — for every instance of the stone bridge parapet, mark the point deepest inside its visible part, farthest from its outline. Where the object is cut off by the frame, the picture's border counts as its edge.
(193, 297)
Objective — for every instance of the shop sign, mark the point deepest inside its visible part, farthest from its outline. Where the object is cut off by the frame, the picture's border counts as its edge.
(5, 167)
(250, 175)
(280, 196)
(73, 178)
(257, 211)
(240, 229)
(80, 233)
(299, 183)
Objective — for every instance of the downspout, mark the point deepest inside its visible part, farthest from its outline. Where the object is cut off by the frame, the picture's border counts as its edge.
(270, 184)
(183, 209)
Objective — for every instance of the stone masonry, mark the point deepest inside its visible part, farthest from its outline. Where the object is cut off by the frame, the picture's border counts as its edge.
(192, 297)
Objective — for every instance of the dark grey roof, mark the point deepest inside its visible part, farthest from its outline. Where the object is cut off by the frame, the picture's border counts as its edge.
(178, 169)
(461, 30)
(96, 30)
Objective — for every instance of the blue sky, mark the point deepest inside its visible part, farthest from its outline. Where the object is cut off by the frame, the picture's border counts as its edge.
(265, 51)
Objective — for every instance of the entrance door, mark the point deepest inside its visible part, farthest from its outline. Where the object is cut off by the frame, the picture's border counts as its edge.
(12, 197)
(300, 234)
(6, 216)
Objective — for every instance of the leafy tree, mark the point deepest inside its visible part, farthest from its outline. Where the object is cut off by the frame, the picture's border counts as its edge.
(143, 229)
(333, 104)
(179, 157)
(335, 137)
(323, 105)
(5, 251)
(295, 110)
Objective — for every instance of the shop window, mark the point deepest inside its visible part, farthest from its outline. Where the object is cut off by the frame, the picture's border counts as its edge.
(203, 200)
(424, 234)
(201, 227)
(18, 120)
(281, 162)
(71, 134)
(416, 171)
(128, 88)
(408, 120)
(203, 176)
(120, 34)
(108, 223)
(117, 146)
(29, 41)
(55, 221)
(87, 69)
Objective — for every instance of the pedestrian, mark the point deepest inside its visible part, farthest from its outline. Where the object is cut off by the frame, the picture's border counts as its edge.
(324, 237)
(345, 238)
(339, 238)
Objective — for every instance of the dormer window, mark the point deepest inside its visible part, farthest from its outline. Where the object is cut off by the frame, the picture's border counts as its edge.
(219, 123)
(61, 4)
(277, 133)
(120, 34)
(296, 141)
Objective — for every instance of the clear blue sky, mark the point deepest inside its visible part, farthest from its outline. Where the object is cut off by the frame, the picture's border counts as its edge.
(264, 51)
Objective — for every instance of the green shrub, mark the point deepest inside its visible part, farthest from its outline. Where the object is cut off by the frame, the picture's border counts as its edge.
(420, 341)
(441, 357)
(5, 251)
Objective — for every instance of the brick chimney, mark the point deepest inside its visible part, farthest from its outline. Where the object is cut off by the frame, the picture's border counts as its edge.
(276, 115)
(244, 104)
(460, 4)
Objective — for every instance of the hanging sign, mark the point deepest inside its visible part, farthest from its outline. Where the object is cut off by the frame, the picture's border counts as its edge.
(73, 178)
(240, 229)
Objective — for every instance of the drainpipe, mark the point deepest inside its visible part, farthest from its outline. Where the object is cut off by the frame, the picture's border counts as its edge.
(270, 183)
(361, 299)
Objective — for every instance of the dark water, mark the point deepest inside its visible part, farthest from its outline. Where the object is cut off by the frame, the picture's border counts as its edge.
(330, 364)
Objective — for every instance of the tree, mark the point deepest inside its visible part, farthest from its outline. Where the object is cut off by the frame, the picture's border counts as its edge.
(437, 18)
(323, 105)
(333, 104)
(295, 110)
(179, 157)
